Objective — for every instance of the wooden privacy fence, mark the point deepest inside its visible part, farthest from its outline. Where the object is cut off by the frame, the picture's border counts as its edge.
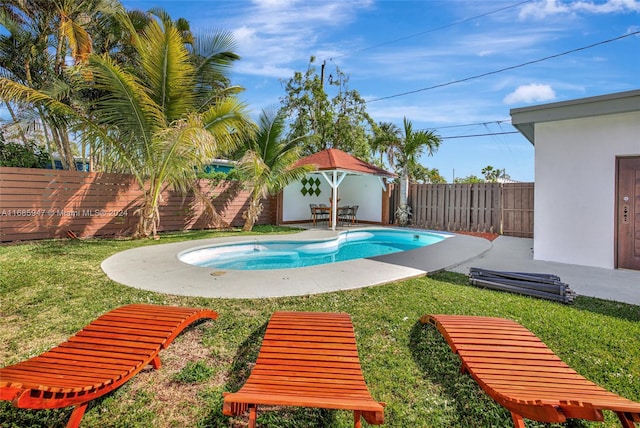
(505, 208)
(517, 209)
(41, 203)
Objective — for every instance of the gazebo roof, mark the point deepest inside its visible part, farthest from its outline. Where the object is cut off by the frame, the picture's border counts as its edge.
(335, 159)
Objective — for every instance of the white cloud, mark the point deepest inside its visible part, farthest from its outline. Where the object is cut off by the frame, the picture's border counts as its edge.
(545, 8)
(611, 6)
(534, 92)
(633, 29)
(264, 70)
(542, 9)
(275, 35)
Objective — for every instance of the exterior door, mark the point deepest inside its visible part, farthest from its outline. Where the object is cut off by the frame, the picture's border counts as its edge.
(628, 213)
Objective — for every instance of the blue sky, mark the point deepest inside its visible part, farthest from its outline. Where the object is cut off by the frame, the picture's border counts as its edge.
(392, 47)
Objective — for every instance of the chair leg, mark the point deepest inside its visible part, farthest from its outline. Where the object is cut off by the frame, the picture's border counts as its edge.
(253, 415)
(356, 419)
(156, 363)
(625, 420)
(518, 421)
(76, 415)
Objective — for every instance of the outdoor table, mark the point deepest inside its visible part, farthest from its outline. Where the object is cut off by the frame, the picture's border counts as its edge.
(321, 210)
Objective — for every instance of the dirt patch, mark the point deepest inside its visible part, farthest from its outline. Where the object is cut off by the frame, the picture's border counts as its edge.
(485, 235)
(175, 403)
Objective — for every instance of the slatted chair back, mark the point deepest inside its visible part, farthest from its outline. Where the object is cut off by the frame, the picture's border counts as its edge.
(98, 359)
(521, 373)
(307, 359)
(354, 213)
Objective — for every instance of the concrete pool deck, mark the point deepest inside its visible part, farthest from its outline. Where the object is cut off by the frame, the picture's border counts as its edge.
(516, 255)
(157, 268)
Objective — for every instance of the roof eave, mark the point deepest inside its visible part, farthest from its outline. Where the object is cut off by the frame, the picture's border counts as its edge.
(524, 119)
(354, 172)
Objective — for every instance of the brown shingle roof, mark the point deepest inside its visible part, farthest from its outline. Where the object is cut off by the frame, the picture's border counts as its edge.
(335, 159)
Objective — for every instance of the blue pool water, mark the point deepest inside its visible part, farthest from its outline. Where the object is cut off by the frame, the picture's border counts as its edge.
(349, 245)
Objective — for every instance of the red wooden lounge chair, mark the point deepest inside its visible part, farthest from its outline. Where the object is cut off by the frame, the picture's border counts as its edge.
(518, 371)
(100, 358)
(307, 359)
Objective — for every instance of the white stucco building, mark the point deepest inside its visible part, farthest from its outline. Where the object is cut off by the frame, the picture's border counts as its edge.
(587, 179)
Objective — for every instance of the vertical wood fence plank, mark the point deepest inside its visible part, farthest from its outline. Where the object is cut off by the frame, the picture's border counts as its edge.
(441, 209)
(41, 204)
(480, 207)
(518, 209)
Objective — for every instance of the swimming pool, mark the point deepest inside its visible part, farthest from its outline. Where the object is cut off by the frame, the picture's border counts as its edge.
(348, 245)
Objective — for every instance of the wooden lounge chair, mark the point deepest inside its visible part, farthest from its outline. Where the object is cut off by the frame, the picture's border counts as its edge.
(307, 359)
(518, 371)
(100, 358)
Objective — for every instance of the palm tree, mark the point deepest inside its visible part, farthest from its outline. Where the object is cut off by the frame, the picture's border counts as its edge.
(41, 37)
(269, 164)
(386, 136)
(160, 128)
(150, 120)
(407, 152)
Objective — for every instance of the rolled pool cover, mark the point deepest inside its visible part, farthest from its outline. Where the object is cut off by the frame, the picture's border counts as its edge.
(542, 285)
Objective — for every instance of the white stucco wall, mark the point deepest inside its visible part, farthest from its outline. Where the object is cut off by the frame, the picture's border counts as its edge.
(362, 190)
(575, 164)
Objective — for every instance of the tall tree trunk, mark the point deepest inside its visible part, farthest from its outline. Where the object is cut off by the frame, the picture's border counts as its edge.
(149, 218)
(66, 147)
(252, 213)
(404, 188)
(55, 136)
(47, 140)
(403, 213)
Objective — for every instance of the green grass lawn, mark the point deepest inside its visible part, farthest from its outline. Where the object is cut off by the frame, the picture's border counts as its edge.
(51, 289)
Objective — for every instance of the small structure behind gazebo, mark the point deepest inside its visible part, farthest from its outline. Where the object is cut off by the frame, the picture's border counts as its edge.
(341, 177)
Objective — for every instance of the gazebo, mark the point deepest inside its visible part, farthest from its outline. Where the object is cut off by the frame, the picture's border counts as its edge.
(333, 166)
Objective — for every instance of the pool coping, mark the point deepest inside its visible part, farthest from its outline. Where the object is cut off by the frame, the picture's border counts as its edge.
(157, 268)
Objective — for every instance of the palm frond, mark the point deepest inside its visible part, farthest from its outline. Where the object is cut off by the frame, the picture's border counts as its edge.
(126, 104)
(161, 14)
(168, 70)
(17, 92)
(206, 97)
(78, 38)
(214, 55)
(228, 120)
(272, 161)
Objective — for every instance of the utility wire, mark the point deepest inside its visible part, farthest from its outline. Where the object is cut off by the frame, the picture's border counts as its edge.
(506, 68)
(410, 36)
(490, 122)
(491, 134)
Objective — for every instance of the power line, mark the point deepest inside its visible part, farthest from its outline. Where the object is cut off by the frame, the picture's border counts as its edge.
(491, 134)
(410, 36)
(497, 122)
(506, 68)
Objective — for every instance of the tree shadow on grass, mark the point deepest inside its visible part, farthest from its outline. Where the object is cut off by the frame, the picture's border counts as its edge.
(268, 416)
(610, 308)
(472, 407)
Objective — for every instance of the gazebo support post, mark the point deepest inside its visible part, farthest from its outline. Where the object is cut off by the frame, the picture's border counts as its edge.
(334, 182)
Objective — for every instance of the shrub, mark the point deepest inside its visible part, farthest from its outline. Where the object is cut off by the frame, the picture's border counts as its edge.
(23, 156)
